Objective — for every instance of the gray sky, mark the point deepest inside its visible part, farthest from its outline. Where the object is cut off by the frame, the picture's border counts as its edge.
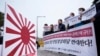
(52, 9)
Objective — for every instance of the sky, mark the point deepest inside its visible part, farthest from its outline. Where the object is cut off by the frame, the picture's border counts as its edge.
(51, 9)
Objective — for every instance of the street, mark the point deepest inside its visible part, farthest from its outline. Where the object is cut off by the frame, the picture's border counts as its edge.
(42, 52)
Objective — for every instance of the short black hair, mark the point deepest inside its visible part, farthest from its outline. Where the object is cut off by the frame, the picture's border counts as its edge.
(46, 24)
(72, 13)
(83, 9)
(51, 25)
(60, 20)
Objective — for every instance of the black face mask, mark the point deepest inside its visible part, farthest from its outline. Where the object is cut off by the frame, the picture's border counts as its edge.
(60, 23)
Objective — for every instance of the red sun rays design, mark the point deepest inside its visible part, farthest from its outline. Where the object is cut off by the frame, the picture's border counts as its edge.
(25, 34)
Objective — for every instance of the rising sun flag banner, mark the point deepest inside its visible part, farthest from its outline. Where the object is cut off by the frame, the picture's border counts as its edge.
(19, 35)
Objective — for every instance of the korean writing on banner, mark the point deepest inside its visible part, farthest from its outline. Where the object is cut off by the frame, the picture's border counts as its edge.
(79, 41)
(88, 14)
(73, 20)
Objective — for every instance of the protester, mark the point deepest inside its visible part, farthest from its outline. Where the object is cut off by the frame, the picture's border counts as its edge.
(46, 29)
(61, 26)
(71, 16)
(51, 29)
(81, 11)
(37, 44)
(96, 21)
(95, 2)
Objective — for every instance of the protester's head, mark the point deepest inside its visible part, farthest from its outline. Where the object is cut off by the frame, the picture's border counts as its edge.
(45, 24)
(94, 2)
(81, 10)
(51, 27)
(72, 14)
(60, 21)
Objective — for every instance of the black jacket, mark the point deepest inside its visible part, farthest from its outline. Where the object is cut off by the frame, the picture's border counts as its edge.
(61, 27)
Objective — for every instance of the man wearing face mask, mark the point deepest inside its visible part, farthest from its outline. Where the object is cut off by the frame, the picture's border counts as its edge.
(70, 16)
(81, 10)
(61, 26)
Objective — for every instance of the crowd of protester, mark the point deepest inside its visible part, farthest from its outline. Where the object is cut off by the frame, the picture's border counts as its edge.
(61, 26)
(65, 25)
(54, 28)
(95, 19)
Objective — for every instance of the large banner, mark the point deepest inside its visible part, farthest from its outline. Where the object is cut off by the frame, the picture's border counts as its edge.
(79, 41)
(19, 39)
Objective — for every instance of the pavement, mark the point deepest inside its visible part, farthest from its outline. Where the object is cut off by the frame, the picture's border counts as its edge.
(42, 52)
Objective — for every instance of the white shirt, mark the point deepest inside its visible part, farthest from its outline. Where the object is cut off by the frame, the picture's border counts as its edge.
(46, 28)
(55, 27)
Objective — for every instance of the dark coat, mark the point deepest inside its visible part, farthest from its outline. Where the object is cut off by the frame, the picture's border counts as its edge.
(37, 44)
(97, 28)
(61, 27)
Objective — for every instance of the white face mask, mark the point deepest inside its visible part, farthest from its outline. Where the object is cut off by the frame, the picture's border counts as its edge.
(80, 12)
(71, 16)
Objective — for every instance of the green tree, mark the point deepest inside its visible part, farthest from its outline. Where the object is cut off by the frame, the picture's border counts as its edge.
(1, 19)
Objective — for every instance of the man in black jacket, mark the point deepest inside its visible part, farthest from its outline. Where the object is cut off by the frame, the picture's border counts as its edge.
(37, 44)
(96, 21)
(61, 26)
